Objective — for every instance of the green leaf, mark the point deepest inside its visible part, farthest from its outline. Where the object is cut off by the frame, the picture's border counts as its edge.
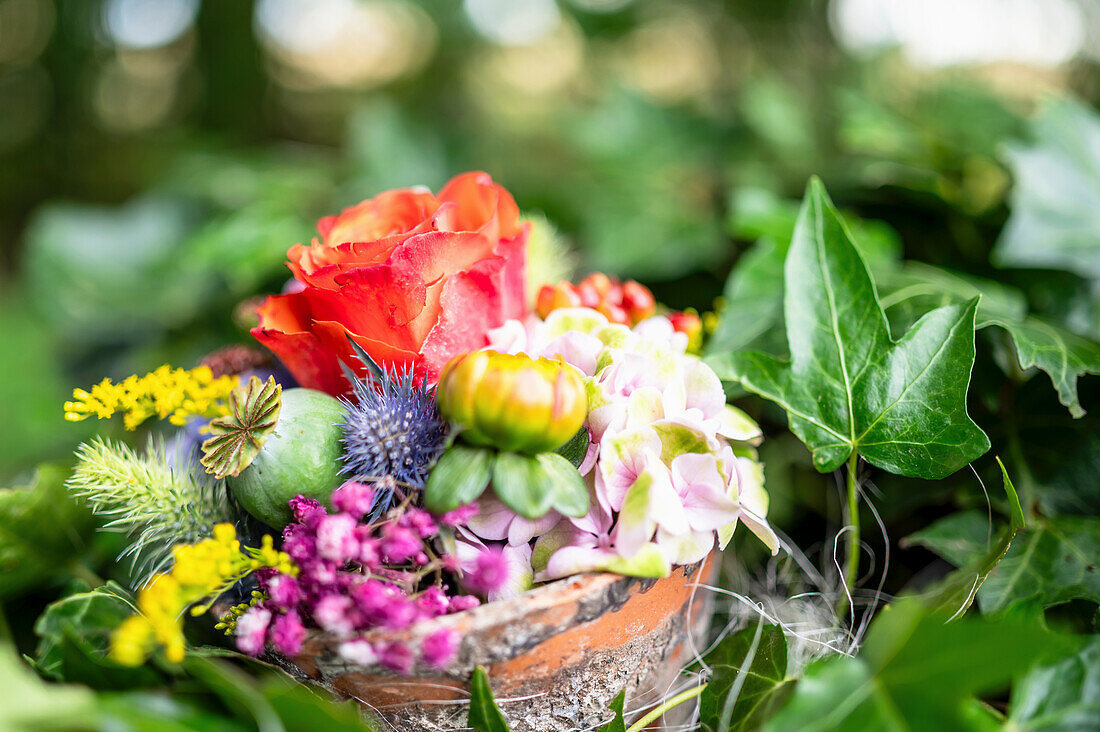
(754, 298)
(485, 716)
(964, 540)
(753, 662)
(1055, 204)
(1061, 696)
(915, 288)
(27, 704)
(42, 531)
(236, 689)
(1063, 355)
(1054, 562)
(1075, 459)
(522, 484)
(849, 386)
(460, 476)
(575, 450)
(569, 492)
(90, 268)
(957, 537)
(754, 290)
(74, 636)
(304, 708)
(617, 724)
(532, 485)
(838, 692)
(916, 671)
(148, 711)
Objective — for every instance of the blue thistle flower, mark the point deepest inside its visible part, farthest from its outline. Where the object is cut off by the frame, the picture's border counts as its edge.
(393, 430)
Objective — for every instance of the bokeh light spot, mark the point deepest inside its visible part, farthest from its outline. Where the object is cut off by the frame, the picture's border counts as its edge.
(148, 23)
(513, 22)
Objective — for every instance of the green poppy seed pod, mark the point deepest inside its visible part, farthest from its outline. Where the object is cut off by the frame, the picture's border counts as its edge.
(513, 402)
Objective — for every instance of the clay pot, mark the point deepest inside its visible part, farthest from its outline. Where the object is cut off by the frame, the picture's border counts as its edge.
(556, 655)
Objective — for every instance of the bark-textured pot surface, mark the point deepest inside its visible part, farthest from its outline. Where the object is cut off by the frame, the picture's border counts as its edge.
(556, 655)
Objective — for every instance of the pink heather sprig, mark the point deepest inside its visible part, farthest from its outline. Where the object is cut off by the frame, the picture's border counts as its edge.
(356, 576)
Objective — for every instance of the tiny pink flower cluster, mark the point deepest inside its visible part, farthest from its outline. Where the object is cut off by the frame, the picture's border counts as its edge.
(356, 576)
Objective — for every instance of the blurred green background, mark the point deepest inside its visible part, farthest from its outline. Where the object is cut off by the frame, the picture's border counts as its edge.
(157, 157)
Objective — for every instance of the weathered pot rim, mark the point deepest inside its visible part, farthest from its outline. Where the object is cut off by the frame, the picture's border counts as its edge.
(499, 614)
(492, 614)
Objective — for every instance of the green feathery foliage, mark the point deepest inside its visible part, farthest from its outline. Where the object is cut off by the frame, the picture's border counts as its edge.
(160, 500)
(549, 256)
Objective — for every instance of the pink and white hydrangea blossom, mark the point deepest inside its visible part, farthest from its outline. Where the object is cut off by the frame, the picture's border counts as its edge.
(671, 466)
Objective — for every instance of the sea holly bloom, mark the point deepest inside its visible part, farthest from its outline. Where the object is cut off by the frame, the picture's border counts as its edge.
(411, 277)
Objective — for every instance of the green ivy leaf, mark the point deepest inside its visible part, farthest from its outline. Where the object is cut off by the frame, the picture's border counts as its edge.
(1062, 696)
(753, 661)
(307, 709)
(957, 537)
(42, 530)
(618, 723)
(27, 704)
(916, 671)
(964, 540)
(914, 288)
(849, 386)
(152, 711)
(839, 692)
(485, 716)
(1074, 458)
(1055, 220)
(74, 636)
(1063, 355)
(1054, 562)
(461, 475)
(754, 289)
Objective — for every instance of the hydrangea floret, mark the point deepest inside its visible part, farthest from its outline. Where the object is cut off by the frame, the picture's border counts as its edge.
(671, 467)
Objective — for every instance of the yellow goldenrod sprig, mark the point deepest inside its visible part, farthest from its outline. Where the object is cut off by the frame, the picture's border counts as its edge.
(167, 393)
(201, 571)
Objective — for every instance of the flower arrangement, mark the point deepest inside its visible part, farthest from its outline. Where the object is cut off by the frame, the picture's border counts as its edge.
(443, 441)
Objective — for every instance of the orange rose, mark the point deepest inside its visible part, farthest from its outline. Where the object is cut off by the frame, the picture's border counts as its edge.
(411, 277)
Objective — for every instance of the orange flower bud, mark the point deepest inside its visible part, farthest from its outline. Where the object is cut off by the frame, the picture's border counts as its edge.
(552, 297)
(594, 289)
(513, 402)
(689, 323)
(613, 312)
(638, 301)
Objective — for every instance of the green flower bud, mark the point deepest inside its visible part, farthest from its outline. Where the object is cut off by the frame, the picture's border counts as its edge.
(513, 402)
